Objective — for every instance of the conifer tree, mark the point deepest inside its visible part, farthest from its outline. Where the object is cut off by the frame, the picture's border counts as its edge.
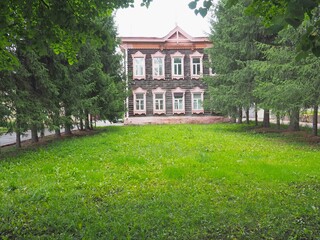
(234, 37)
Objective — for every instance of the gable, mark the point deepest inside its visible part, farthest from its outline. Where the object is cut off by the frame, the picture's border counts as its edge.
(177, 35)
(175, 39)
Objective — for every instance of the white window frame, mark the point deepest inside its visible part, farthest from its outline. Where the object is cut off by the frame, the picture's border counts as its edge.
(177, 55)
(197, 90)
(178, 111)
(135, 110)
(163, 92)
(196, 55)
(158, 55)
(139, 55)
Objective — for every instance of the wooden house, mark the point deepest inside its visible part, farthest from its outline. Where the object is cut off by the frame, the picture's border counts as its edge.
(164, 77)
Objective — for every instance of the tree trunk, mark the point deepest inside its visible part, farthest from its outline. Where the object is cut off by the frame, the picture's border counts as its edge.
(91, 122)
(81, 123)
(34, 133)
(294, 120)
(18, 139)
(18, 130)
(86, 120)
(247, 116)
(240, 115)
(256, 114)
(266, 118)
(57, 133)
(68, 122)
(278, 120)
(315, 120)
(42, 133)
(56, 123)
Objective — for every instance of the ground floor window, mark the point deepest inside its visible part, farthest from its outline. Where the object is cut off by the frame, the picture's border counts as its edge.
(139, 101)
(178, 101)
(159, 103)
(197, 100)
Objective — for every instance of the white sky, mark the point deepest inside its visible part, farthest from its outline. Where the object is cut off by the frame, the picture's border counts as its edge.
(160, 18)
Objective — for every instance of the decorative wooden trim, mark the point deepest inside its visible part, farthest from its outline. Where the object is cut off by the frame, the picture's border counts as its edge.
(173, 56)
(159, 90)
(139, 90)
(135, 56)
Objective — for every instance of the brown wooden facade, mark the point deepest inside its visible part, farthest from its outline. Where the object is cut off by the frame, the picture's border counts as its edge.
(180, 93)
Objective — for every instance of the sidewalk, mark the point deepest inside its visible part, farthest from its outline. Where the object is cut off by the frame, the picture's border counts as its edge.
(10, 138)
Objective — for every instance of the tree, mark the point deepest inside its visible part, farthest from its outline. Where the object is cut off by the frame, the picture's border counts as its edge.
(59, 25)
(45, 90)
(284, 84)
(233, 35)
(278, 14)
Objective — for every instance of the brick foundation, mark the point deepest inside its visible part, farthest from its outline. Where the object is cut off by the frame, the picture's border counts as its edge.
(175, 120)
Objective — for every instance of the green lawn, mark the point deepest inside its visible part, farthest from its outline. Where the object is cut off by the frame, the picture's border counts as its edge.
(163, 182)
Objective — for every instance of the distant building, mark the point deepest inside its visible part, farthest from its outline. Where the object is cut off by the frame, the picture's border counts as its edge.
(164, 77)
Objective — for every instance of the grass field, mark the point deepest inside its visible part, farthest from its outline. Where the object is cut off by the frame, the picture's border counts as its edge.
(163, 182)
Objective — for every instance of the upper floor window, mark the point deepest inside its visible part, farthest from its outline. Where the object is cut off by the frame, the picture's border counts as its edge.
(139, 68)
(158, 68)
(177, 61)
(159, 103)
(196, 64)
(139, 101)
(197, 100)
(178, 101)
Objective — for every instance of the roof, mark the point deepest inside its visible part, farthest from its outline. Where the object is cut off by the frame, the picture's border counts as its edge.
(176, 38)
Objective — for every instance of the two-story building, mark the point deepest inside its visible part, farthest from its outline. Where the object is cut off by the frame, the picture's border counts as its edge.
(164, 77)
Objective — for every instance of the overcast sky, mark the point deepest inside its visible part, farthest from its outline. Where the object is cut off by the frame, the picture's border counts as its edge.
(159, 19)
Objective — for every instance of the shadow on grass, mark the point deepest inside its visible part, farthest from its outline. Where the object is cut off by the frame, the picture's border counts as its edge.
(303, 137)
(48, 141)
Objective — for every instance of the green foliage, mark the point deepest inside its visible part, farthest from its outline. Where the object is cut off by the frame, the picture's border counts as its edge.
(234, 36)
(283, 83)
(277, 15)
(59, 25)
(45, 90)
(163, 182)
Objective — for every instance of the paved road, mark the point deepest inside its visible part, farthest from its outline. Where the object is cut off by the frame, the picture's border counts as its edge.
(10, 138)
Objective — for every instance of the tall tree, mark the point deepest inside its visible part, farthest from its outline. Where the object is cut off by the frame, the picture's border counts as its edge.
(233, 35)
(277, 15)
(63, 26)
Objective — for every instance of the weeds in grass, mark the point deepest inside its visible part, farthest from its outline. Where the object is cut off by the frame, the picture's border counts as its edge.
(163, 182)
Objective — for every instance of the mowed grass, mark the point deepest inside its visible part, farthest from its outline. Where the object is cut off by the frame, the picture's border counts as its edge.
(163, 182)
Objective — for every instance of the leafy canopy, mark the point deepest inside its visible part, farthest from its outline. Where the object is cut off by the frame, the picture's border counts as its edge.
(62, 25)
(277, 14)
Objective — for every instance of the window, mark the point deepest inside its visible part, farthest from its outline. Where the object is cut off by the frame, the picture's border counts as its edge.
(178, 101)
(196, 64)
(139, 101)
(197, 100)
(158, 67)
(159, 104)
(177, 65)
(138, 61)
